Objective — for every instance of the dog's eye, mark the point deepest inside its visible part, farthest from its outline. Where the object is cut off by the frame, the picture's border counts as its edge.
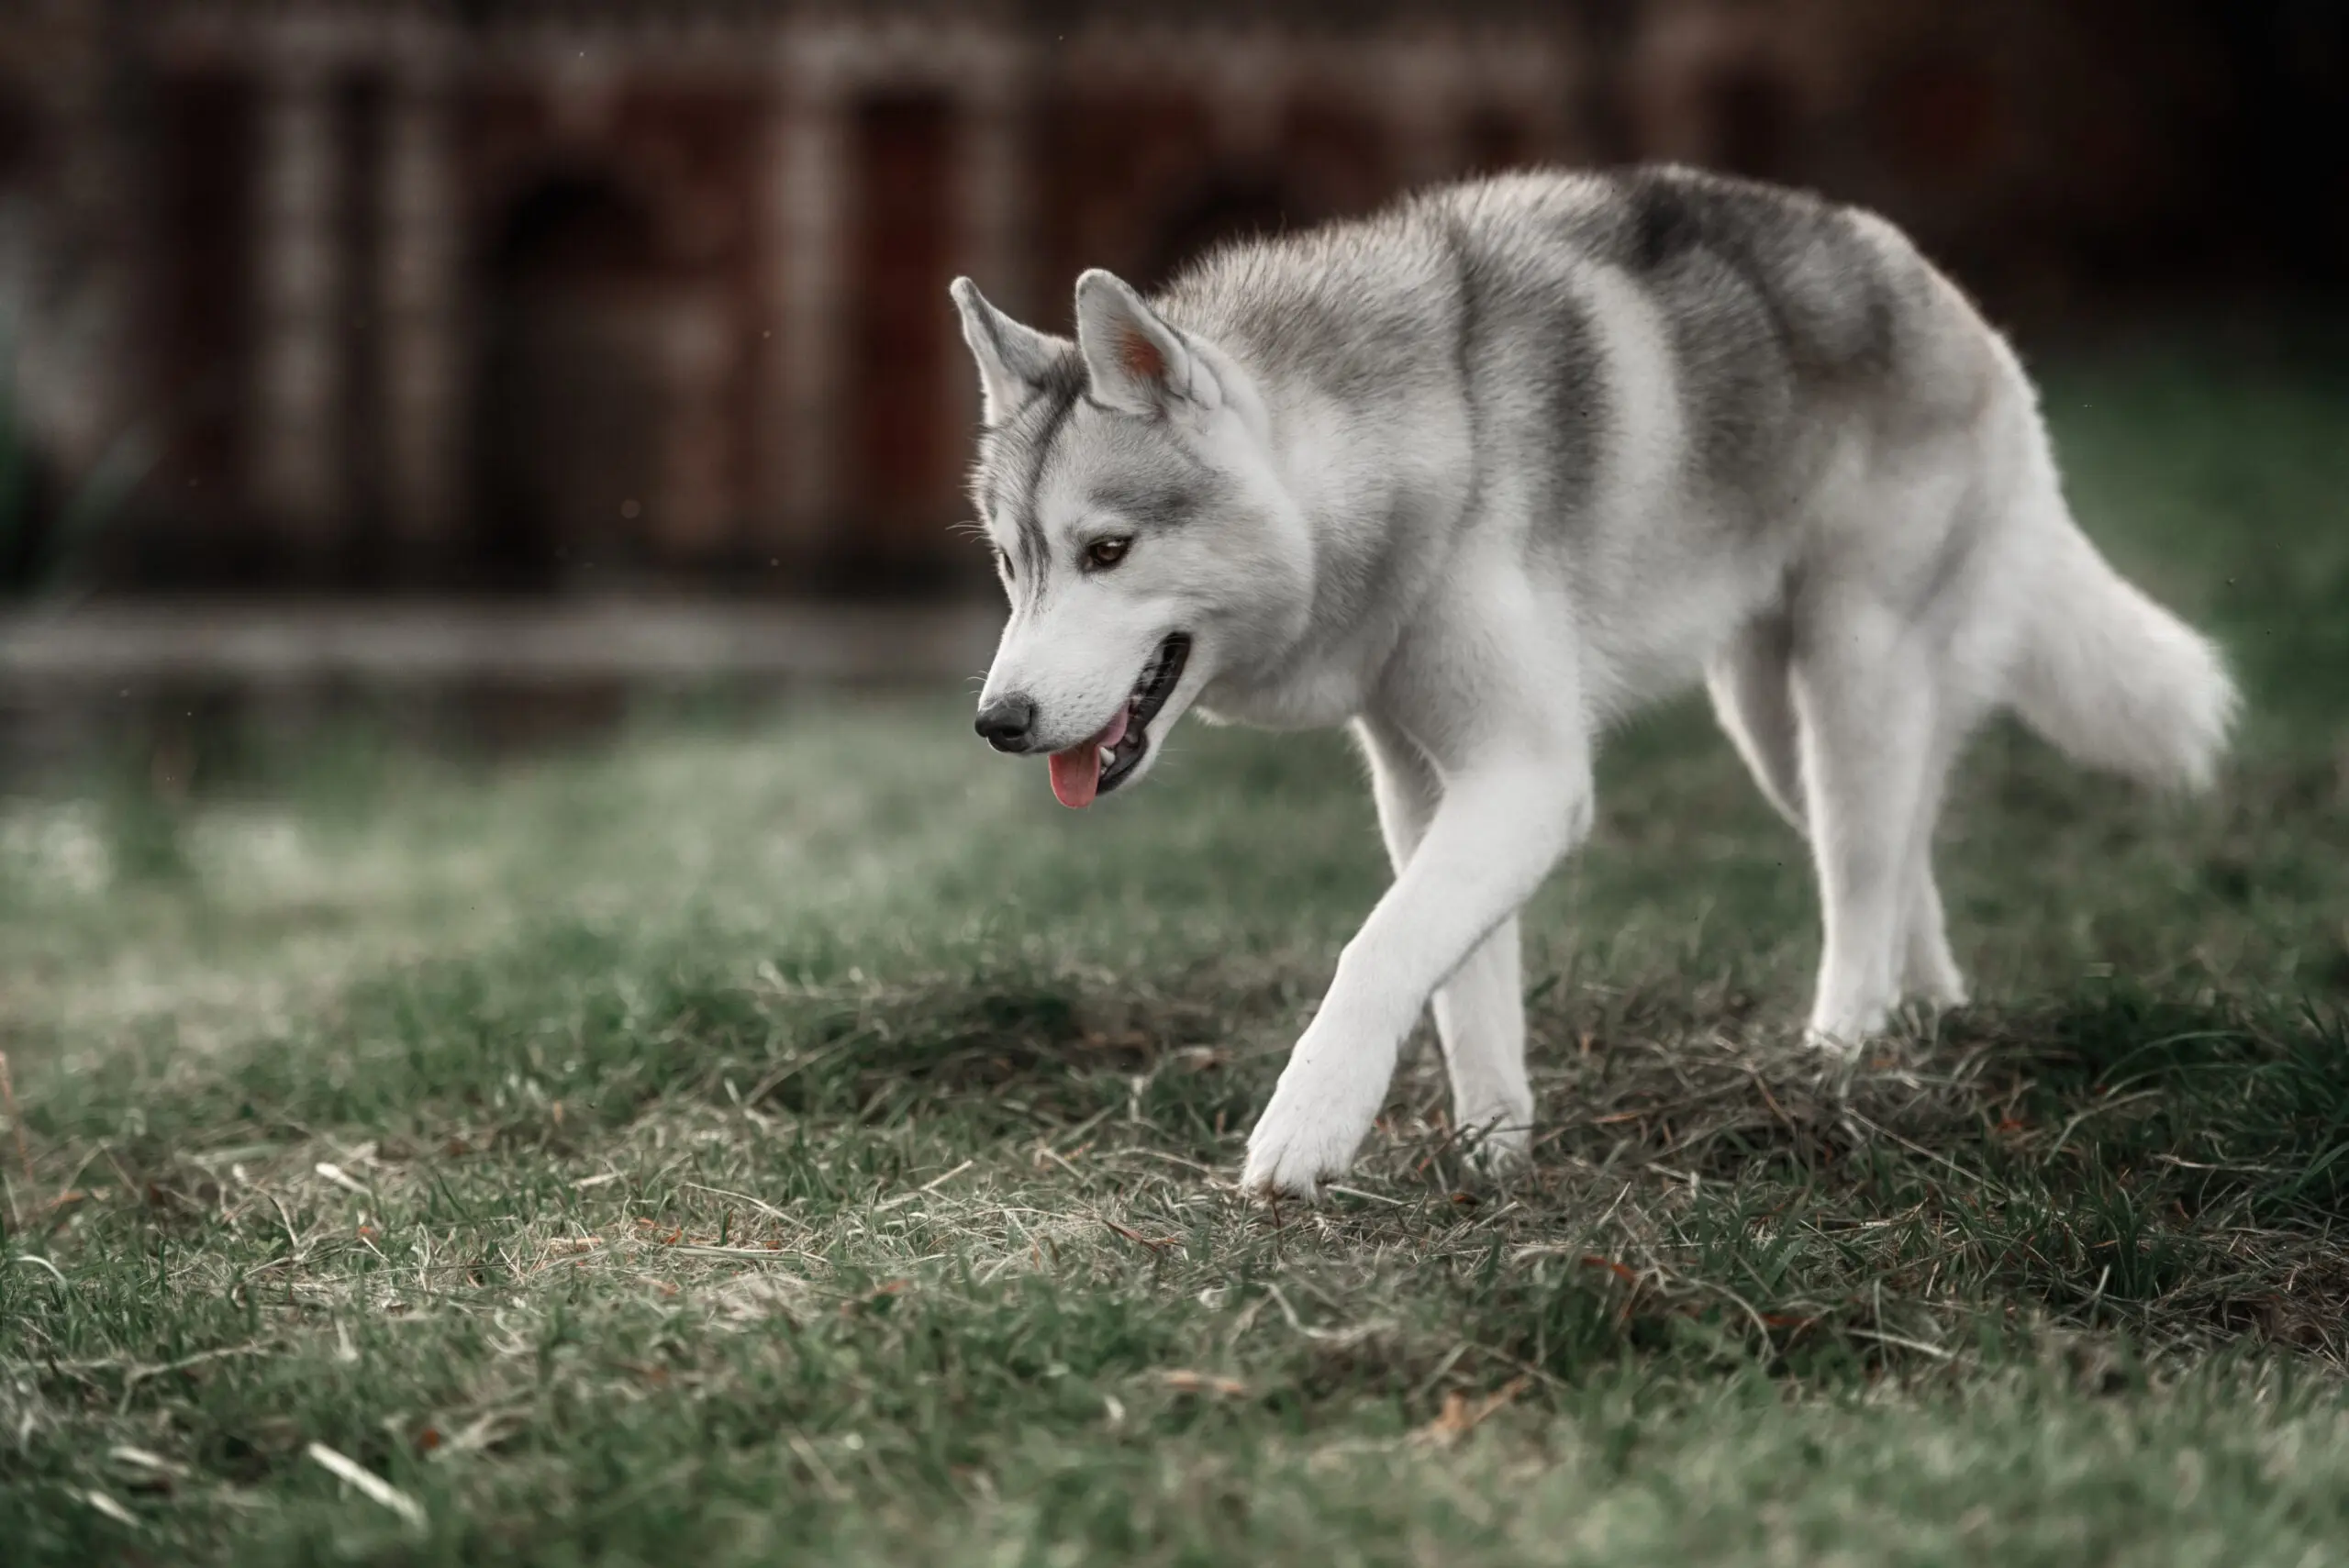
(1003, 564)
(1103, 554)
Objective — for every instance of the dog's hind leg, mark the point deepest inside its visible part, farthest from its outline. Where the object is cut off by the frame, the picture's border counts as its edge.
(1750, 683)
(1480, 1011)
(1875, 732)
(1863, 738)
(1928, 970)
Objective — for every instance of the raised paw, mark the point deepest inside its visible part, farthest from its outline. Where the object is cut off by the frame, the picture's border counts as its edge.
(1310, 1129)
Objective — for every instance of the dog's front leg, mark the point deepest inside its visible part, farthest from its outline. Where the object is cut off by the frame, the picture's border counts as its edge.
(1480, 1010)
(1508, 811)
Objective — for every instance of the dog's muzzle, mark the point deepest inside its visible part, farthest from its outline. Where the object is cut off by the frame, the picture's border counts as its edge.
(1159, 678)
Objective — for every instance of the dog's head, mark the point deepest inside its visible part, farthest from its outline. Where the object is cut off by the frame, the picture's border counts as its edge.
(1126, 481)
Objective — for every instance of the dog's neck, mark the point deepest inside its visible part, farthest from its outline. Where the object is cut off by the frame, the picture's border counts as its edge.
(1361, 530)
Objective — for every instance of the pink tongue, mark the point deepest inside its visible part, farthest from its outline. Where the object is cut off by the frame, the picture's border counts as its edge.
(1077, 773)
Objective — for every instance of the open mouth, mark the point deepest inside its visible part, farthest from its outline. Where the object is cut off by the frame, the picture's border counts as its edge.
(1094, 767)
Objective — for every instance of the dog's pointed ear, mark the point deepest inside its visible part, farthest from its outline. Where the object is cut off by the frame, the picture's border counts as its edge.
(1134, 361)
(1013, 359)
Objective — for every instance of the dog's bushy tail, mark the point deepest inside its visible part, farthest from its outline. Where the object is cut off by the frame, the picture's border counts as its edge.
(2110, 677)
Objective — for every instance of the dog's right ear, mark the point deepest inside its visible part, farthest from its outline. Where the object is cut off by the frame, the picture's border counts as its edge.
(1012, 359)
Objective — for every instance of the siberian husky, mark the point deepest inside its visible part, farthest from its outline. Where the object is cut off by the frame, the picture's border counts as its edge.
(1484, 471)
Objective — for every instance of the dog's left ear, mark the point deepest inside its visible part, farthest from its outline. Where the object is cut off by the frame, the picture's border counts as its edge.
(1134, 362)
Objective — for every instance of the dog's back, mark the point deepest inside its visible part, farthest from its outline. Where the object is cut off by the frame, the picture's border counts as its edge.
(1777, 309)
(1710, 390)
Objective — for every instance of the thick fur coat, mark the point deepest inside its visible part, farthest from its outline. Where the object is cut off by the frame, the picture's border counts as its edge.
(1485, 471)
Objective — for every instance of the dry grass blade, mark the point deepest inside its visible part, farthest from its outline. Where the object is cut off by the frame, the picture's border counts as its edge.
(1157, 1245)
(372, 1486)
(343, 1178)
(928, 1186)
(1461, 1415)
(37, 1260)
(1183, 1380)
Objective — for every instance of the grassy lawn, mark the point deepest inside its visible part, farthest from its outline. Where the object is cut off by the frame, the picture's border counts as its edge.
(800, 1141)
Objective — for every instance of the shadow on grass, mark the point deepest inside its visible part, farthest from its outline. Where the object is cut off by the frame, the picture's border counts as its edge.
(2173, 1171)
(572, 1031)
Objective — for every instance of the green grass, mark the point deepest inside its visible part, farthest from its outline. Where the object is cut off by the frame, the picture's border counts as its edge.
(802, 1141)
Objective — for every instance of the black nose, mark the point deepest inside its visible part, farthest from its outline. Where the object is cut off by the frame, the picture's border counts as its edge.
(1004, 723)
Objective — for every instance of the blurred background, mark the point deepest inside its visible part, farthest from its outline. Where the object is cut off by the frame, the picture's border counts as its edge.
(541, 350)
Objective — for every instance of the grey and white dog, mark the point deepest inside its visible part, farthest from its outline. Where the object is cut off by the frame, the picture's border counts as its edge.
(1482, 473)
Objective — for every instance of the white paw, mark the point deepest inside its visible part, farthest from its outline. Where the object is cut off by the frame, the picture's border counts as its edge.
(1835, 1048)
(1310, 1129)
(1844, 1033)
(1499, 1135)
(1944, 992)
